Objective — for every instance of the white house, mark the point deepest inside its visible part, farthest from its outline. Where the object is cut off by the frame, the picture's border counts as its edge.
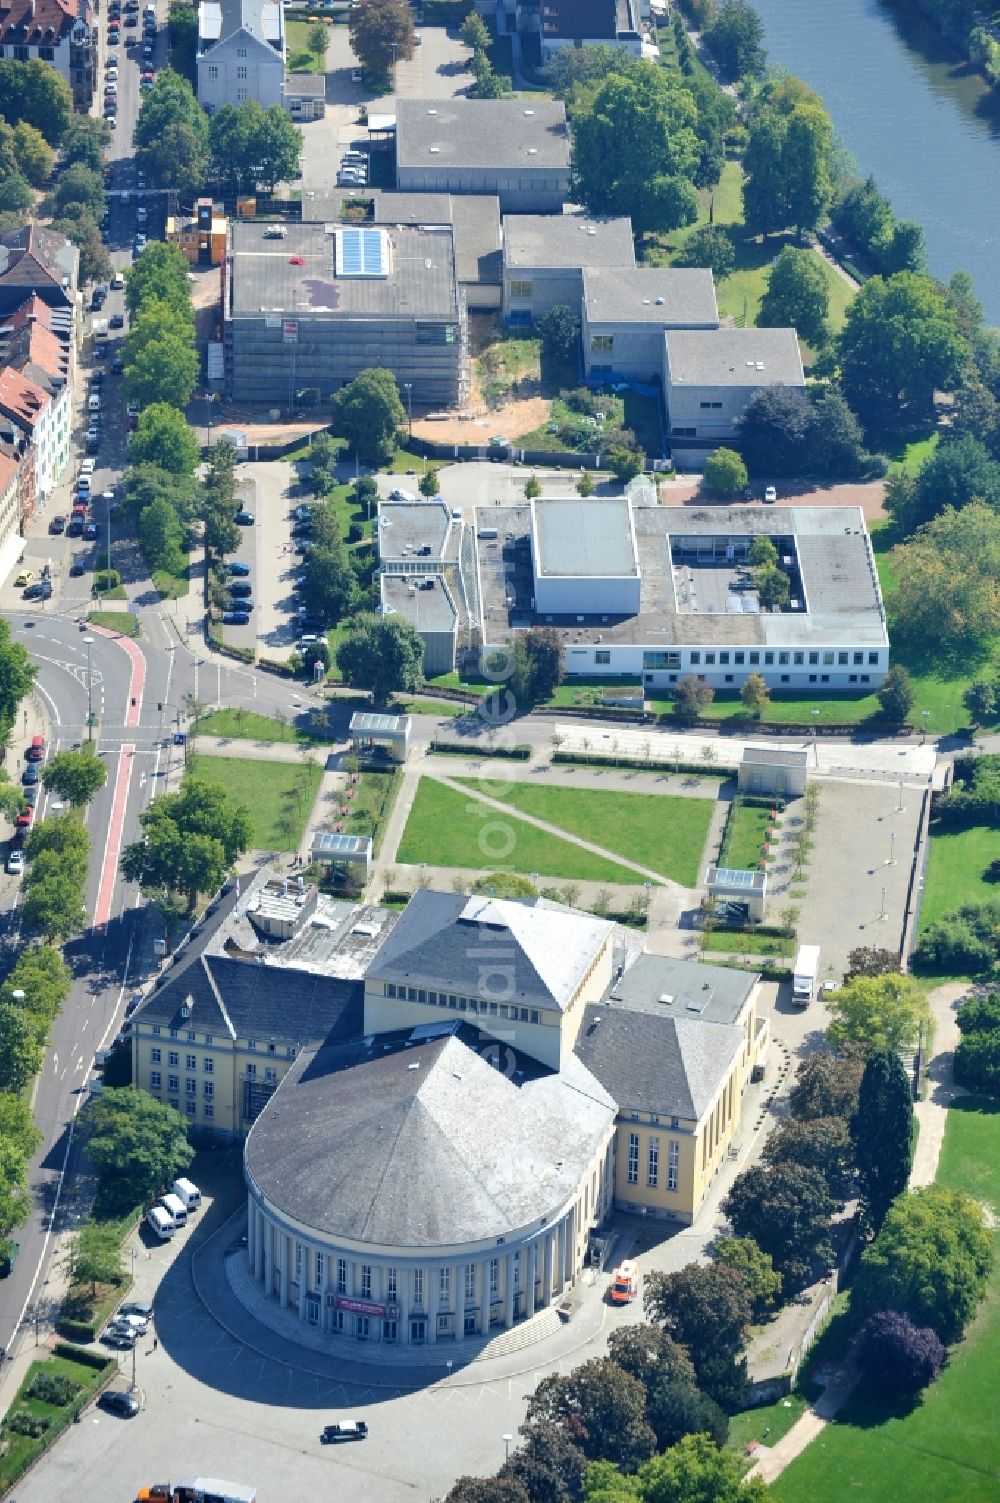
(58, 32)
(241, 53)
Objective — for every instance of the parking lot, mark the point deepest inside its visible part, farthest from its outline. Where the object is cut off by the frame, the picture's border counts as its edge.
(437, 70)
(268, 550)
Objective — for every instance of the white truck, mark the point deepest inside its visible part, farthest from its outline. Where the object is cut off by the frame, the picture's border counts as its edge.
(805, 973)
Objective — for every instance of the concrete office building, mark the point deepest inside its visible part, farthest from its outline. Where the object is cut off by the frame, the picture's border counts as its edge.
(514, 149)
(651, 592)
(627, 312)
(709, 377)
(241, 53)
(545, 255)
(426, 574)
(303, 313)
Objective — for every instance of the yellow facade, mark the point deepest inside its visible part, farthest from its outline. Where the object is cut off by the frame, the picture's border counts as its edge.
(218, 1082)
(198, 245)
(666, 1164)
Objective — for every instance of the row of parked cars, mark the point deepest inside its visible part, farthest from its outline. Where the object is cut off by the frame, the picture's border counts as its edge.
(30, 787)
(172, 1210)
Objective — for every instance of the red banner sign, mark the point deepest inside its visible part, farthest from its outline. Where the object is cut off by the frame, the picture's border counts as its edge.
(359, 1306)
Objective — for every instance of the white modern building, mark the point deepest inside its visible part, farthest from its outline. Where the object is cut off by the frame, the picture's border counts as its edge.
(709, 376)
(241, 53)
(545, 256)
(626, 313)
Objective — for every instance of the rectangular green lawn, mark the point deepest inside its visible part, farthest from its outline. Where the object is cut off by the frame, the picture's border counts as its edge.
(947, 1448)
(745, 836)
(665, 834)
(955, 865)
(279, 795)
(445, 828)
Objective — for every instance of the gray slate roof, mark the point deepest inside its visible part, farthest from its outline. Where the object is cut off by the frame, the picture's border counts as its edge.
(668, 1065)
(494, 134)
(441, 936)
(667, 295)
(558, 241)
(413, 1140)
(730, 357)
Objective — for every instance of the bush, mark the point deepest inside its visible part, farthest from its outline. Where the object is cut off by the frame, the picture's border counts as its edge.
(897, 1355)
(964, 942)
(23, 1422)
(53, 1388)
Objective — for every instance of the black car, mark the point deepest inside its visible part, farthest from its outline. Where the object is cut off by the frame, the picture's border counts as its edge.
(117, 321)
(236, 618)
(117, 365)
(30, 774)
(244, 588)
(57, 525)
(31, 794)
(241, 604)
(40, 590)
(244, 518)
(117, 1401)
(351, 1430)
(97, 379)
(77, 568)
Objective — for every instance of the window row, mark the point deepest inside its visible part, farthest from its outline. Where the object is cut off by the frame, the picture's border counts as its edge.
(462, 1004)
(653, 1161)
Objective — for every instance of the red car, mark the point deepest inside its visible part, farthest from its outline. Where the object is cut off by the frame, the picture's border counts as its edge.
(25, 817)
(36, 751)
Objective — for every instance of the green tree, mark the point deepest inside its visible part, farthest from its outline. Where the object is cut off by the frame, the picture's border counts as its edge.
(787, 1211)
(788, 160)
(930, 1261)
(222, 535)
(725, 474)
(538, 665)
(53, 908)
(626, 464)
(602, 1407)
(16, 196)
(900, 343)
(86, 141)
(896, 695)
(80, 226)
(75, 776)
(735, 38)
(17, 674)
(35, 93)
(139, 1145)
(430, 483)
(79, 185)
(161, 362)
(755, 695)
(630, 145)
(960, 470)
(182, 20)
(772, 586)
(871, 960)
(15, 1201)
(678, 1409)
(696, 1470)
(369, 414)
(165, 438)
(96, 1255)
(549, 1466)
(384, 654)
(190, 840)
(691, 695)
(559, 330)
(648, 1354)
(381, 33)
(159, 275)
(878, 1012)
(763, 552)
(330, 581)
(34, 154)
(161, 536)
(17, 1126)
(323, 452)
(707, 1310)
(881, 1132)
(532, 487)
(147, 483)
(711, 246)
(474, 33)
(45, 979)
(21, 1049)
(946, 593)
(797, 296)
(763, 1281)
(171, 134)
(821, 1143)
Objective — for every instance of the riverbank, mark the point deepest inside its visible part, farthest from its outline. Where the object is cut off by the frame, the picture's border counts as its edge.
(978, 44)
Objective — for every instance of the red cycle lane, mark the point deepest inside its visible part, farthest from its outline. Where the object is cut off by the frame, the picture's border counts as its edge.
(123, 778)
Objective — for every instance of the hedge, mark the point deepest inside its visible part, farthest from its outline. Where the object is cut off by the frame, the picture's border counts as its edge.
(519, 753)
(272, 665)
(639, 764)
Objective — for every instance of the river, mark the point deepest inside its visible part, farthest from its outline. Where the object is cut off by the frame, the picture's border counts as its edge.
(919, 120)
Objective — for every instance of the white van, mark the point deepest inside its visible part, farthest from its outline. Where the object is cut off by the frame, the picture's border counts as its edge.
(161, 1223)
(175, 1208)
(87, 467)
(188, 1193)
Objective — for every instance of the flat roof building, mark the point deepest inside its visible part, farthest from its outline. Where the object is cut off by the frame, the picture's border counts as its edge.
(306, 311)
(709, 376)
(627, 312)
(517, 149)
(685, 603)
(545, 255)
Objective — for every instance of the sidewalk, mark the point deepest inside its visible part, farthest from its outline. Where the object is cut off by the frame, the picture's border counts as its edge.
(932, 1115)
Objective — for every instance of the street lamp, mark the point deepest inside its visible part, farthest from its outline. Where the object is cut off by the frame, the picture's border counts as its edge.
(507, 1439)
(88, 643)
(815, 716)
(408, 388)
(892, 848)
(925, 715)
(899, 802)
(882, 909)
